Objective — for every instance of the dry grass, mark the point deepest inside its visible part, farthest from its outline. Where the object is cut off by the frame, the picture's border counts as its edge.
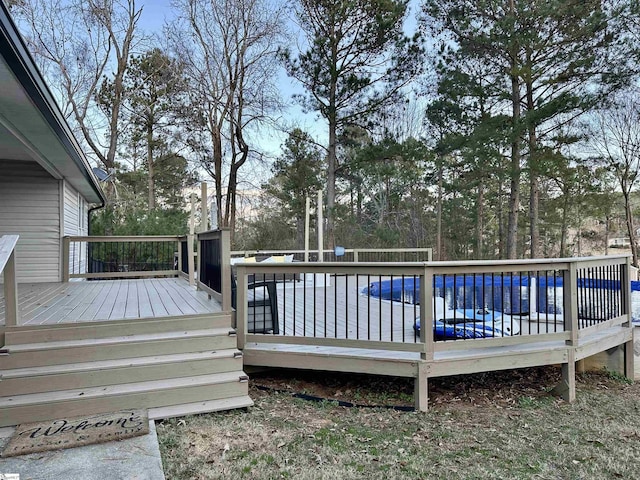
(499, 425)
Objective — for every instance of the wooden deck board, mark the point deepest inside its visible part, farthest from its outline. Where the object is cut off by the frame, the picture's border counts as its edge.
(87, 301)
(99, 301)
(146, 309)
(131, 309)
(91, 295)
(154, 301)
(59, 306)
(120, 300)
(165, 297)
(188, 306)
(106, 307)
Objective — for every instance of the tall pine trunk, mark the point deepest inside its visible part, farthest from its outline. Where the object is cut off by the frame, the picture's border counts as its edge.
(331, 184)
(480, 223)
(534, 179)
(630, 226)
(514, 196)
(151, 180)
(564, 232)
(439, 255)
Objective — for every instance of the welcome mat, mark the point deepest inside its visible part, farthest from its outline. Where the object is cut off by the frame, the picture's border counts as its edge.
(76, 431)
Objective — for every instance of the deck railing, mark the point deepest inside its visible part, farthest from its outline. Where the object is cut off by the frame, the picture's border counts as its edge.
(104, 257)
(345, 254)
(467, 304)
(8, 270)
(214, 267)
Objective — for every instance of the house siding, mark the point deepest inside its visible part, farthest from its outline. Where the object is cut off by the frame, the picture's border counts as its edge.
(30, 207)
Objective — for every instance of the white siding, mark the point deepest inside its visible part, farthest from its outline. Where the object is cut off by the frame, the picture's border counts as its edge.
(30, 207)
(75, 223)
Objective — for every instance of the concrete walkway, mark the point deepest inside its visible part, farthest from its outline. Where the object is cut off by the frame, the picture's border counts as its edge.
(133, 458)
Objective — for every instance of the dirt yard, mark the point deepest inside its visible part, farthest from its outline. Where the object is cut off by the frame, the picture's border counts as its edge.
(493, 425)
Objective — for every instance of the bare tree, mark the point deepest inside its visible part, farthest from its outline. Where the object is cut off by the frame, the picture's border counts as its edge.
(229, 48)
(617, 143)
(83, 45)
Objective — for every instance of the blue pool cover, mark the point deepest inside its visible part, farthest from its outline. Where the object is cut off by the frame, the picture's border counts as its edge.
(503, 293)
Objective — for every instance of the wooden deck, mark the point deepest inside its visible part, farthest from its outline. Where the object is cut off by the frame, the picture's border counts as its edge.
(338, 327)
(90, 301)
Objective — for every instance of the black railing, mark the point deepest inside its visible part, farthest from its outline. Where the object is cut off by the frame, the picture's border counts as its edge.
(184, 255)
(210, 263)
(359, 302)
(92, 257)
(600, 297)
(214, 268)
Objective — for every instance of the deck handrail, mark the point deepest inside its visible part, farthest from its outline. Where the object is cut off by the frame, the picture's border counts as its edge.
(354, 253)
(598, 268)
(8, 268)
(69, 263)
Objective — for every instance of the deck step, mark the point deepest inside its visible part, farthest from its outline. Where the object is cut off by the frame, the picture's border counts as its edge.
(142, 345)
(21, 381)
(111, 328)
(200, 407)
(151, 394)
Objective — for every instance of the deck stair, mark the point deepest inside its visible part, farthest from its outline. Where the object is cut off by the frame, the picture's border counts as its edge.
(172, 366)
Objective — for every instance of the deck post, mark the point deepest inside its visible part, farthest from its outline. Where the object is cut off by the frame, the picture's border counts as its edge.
(204, 215)
(179, 256)
(191, 263)
(190, 240)
(241, 305)
(426, 314)
(570, 286)
(307, 210)
(319, 228)
(421, 388)
(629, 360)
(66, 242)
(625, 288)
(567, 387)
(11, 292)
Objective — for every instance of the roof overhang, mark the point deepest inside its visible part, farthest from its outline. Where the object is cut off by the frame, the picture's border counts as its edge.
(32, 126)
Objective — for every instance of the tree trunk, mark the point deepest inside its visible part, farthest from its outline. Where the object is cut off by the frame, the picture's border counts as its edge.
(630, 226)
(479, 222)
(534, 193)
(514, 197)
(217, 169)
(565, 225)
(331, 182)
(500, 221)
(607, 232)
(151, 182)
(230, 206)
(299, 232)
(534, 214)
(439, 255)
